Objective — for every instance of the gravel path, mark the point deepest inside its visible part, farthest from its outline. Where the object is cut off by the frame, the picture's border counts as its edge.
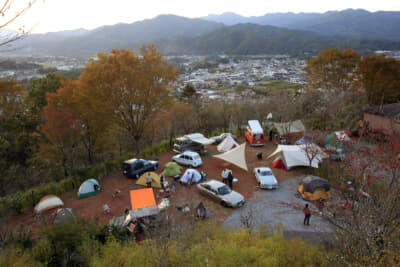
(280, 210)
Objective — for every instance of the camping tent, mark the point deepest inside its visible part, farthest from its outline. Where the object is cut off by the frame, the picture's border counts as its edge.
(156, 180)
(227, 144)
(171, 169)
(290, 127)
(288, 156)
(65, 215)
(235, 156)
(188, 175)
(89, 188)
(47, 203)
(314, 188)
(339, 140)
(143, 203)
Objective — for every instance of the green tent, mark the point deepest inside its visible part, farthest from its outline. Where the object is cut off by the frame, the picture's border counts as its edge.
(65, 215)
(89, 188)
(339, 140)
(171, 169)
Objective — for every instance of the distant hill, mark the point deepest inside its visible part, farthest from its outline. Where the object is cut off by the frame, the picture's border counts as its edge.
(116, 36)
(250, 39)
(352, 23)
(179, 35)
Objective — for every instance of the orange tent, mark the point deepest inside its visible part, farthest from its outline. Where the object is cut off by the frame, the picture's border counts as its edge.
(142, 198)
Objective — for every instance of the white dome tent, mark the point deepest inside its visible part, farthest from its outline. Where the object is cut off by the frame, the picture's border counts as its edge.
(89, 188)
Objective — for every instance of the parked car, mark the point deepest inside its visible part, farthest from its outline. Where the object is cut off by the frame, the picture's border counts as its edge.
(188, 158)
(220, 192)
(265, 178)
(183, 144)
(218, 139)
(133, 168)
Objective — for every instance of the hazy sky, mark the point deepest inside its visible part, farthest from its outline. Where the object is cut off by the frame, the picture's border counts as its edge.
(58, 15)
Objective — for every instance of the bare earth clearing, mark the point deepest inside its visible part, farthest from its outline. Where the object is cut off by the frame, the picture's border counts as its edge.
(92, 207)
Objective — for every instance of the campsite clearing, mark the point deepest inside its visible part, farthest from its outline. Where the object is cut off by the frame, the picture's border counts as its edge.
(92, 207)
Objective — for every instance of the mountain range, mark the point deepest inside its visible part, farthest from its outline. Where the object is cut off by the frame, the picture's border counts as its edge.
(228, 33)
(352, 23)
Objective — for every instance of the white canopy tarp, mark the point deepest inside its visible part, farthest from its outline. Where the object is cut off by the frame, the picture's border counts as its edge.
(236, 156)
(199, 138)
(300, 155)
(227, 144)
(190, 174)
(290, 127)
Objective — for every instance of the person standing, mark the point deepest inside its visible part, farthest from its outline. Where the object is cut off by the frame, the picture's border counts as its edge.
(307, 215)
(149, 179)
(230, 179)
(224, 176)
(162, 181)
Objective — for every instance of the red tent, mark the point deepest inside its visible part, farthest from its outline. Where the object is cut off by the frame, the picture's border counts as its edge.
(278, 163)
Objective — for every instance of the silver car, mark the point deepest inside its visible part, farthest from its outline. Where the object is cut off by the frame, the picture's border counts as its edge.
(221, 193)
(265, 178)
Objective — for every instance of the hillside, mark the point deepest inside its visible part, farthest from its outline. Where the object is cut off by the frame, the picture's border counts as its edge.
(350, 23)
(179, 35)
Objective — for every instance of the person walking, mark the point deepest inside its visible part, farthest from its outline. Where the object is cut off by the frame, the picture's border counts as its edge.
(307, 215)
(149, 179)
(230, 179)
(162, 181)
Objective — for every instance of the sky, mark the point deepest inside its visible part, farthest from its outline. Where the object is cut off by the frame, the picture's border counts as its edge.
(59, 15)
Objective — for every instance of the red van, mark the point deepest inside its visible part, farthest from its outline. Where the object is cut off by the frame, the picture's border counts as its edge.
(254, 133)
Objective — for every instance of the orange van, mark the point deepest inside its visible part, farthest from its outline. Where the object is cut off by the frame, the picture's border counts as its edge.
(254, 133)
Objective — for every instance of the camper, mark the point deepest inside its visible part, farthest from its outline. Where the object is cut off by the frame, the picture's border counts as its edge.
(254, 133)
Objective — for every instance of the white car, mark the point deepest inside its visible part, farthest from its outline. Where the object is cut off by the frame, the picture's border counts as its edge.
(222, 193)
(265, 178)
(188, 158)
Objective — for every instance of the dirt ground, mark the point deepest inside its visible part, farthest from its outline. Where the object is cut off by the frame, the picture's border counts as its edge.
(92, 207)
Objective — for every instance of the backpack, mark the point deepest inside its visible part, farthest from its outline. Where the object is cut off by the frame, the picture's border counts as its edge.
(307, 211)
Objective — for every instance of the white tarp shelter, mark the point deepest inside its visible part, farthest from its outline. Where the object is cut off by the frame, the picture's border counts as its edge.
(190, 174)
(236, 156)
(293, 155)
(227, 144)
(290, 127)
(199, 138)
(255, 127)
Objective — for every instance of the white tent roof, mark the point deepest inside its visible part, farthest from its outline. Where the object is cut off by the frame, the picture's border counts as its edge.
(300, 155)
(188, 174)
(342, 136)
(255, 127)
(227, 144)
(290, 127)
(199, 138)
(48, 202)
(236, 156)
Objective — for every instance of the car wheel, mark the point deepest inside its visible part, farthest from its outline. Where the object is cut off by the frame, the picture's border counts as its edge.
(224, 204)
(137, 176)
(154, 168)
(193, 166)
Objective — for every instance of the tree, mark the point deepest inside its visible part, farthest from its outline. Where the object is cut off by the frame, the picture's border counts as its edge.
(189, 94)
(332, 82)
(133, 88)
(380, 79)
(63, 134)
(39, 87)
(367, 213)
(10, 11)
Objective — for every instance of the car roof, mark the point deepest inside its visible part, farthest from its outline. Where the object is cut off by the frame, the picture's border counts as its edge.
(214, 184)
(190, 153)
(264, 169)
(130, 161)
